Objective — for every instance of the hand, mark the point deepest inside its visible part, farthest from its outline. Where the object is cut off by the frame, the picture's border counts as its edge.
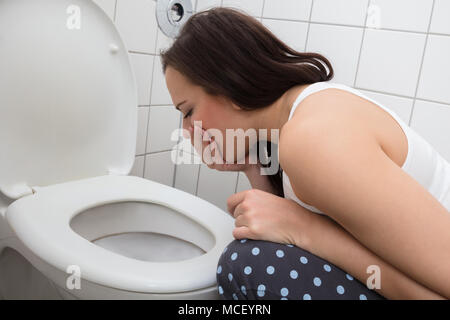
(210, 158)
(263, 216)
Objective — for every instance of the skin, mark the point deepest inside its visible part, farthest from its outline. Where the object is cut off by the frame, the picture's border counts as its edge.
(362, 190)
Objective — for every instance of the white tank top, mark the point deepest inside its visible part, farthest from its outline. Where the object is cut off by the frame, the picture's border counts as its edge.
(422, 162)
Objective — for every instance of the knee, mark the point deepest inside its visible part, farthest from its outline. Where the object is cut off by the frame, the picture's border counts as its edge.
(230, 254)
(242, 258)
(232, 262)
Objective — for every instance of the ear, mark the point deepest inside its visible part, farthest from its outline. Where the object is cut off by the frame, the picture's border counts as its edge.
(235, 106)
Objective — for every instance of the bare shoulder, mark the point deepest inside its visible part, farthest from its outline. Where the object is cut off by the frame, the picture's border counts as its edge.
(320, 121)
(327, 113)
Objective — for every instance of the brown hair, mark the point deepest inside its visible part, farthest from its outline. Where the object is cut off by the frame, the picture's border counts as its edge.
(231, 54)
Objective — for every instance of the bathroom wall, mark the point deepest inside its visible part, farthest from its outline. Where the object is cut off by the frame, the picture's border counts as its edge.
(395, 51)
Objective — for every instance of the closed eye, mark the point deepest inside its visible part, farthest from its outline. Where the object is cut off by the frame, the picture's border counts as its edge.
(188, 114)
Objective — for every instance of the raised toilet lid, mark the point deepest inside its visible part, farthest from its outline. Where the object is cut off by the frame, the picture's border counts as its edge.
(68, 101)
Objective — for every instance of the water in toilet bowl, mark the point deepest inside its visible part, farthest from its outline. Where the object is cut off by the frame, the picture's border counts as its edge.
(143, 231)
(150, 246)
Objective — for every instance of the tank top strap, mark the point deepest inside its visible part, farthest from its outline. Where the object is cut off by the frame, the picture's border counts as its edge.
(317, 86)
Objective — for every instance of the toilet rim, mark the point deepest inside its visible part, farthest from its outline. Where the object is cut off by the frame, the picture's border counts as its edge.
(42, 222)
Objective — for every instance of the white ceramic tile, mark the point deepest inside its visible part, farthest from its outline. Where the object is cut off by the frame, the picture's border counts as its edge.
(243, 183)
(160, 167)
(350, 12)
(251, 7)
(142, 65)
(431, 121)
(185, 145)
(186, 177)
(142, 130)
(401, 106)
(186, 157)
(137, 24)
(160, 93)
(390, 61)
(108, 6)
(340, 45)
(293, 33)
(440, 23)
(216, 186)
(138, 167)
(410, 15)
(435, 78)
(163, 42)
(207, 4)
(287, 9)
(162, 126)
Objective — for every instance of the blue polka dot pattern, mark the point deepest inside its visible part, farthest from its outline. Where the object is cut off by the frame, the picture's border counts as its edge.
(247, 270)
(317, 281)
(293, 274)
(340, 289)
(255, 251)
(261, 290)
(256, 269)
(270, 270)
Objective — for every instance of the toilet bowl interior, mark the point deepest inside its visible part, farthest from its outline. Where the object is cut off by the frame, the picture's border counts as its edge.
(144, 231)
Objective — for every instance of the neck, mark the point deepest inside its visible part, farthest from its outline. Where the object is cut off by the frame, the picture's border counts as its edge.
(276, 115)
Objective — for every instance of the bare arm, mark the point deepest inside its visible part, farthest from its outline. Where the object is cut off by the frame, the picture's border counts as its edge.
(259, 181)
(330, 241)
(379, 204)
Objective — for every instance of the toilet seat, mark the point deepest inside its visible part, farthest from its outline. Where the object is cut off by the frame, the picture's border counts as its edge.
(68, 125)
(42, 221)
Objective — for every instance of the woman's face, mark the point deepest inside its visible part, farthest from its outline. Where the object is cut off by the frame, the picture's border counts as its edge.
(214, 112)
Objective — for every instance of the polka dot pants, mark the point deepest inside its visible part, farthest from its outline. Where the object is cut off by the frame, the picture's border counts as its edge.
(251, 269)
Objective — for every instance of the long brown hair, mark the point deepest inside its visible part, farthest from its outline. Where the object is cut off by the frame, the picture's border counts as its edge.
(231, 54)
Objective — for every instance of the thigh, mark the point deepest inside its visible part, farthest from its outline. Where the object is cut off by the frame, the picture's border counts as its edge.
(253, 269)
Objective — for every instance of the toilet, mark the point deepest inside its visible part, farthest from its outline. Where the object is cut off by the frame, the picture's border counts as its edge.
(73, 223)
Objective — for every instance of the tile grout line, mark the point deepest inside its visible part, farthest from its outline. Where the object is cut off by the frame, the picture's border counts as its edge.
(198, 179)
(309, 26)
(150, 101)
(421, 64)
(358, 26)
(262, 11)
(180, 124)
(115, 11)
(362, 43)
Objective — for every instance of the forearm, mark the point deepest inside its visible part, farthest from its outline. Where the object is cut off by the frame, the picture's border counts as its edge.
(330, 241)
(259, 181)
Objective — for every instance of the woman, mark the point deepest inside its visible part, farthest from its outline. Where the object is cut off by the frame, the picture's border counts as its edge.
(359, 207)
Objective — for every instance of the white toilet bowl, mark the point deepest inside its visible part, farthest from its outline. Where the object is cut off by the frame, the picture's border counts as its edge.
(73, 224)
